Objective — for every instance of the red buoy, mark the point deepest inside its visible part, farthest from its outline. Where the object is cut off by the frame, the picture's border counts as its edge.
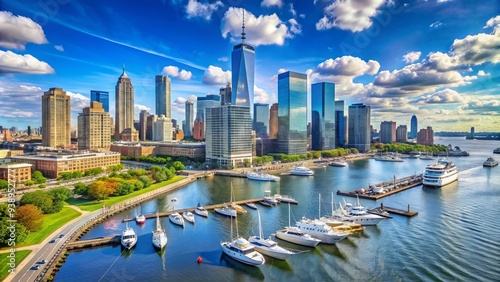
(199, 260)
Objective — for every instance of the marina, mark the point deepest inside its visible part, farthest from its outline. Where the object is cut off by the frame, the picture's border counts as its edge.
(440, 225)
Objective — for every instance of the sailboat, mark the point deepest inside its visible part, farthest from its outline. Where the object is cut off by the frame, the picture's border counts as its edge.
(238, 208)
(159, 236)
(295, 235)
(140, 218)
(268, 247)
(176, 218)
(227, 210)
(241, 250)
(201, 211)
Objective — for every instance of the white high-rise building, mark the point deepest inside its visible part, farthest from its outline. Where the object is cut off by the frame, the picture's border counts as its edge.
(124, 109)
(162, 129)
(228, 142)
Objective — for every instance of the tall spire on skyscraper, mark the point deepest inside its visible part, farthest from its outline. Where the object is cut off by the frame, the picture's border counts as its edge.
(243, 28)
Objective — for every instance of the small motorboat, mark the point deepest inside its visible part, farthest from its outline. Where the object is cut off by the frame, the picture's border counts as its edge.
(189, 216)
(128, 238)
(201, 211)
(225, 210)
(339, 163)
(177, 219)
(140, 219)
(285, 199)
(251, 205)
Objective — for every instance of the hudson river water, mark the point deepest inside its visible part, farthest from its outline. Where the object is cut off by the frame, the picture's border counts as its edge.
(455, 236)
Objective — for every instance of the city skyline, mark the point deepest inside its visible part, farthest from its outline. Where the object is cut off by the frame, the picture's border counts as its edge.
(441, 66)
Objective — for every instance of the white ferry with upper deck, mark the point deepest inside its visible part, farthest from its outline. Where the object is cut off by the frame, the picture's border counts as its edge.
(440, 174)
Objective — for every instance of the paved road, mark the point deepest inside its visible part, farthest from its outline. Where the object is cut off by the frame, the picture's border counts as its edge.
(26, 271)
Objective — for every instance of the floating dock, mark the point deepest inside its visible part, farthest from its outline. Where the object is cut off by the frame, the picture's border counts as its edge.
(407, 212)
(109, 240)
(208, 207)
(390, 187)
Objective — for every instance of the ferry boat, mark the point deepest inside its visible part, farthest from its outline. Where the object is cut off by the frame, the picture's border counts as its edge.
(128, 238)
(261, 176)
(320, 230)
(490, 162)
(301, 171)
(440, 174)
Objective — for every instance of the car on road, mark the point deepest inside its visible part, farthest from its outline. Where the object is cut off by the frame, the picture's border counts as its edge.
(36, 267)
(52, 241)
(61, 236)
(43, 261)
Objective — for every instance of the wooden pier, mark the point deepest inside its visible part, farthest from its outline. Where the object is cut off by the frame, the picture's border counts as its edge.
(231, 173)
(395, 186)
(209, 207)
(109, 240)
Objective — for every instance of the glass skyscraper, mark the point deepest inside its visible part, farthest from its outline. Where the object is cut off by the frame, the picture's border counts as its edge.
(163, 93)
(188, 126)
(292, 113)
(261, 119)
(323, 116)
(340, 124)
(101, 97)
(243, 70)
(414, 127)
(359, 120)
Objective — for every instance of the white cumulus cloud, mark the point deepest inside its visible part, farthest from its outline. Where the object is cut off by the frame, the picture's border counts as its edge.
(270, 3)
(17, 31)
(215, 76)
(59, 48)
(14, 63)
(173, 71)
(446, 96)
(412, 57)
(195, 9)
(262, 30)
(353, 15)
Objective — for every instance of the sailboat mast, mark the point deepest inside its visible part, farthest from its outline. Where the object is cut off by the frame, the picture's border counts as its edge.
(332, 203)
(319, 205)
(260, 225)
(289, 215)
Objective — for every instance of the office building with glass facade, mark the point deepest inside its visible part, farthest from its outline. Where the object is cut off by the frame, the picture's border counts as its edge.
(188, 122)
(388, 132)
(163, 96)
(414, 127)
(292, 113)
(323, 116)
(359, 119)
(261, 120)
(228, 136)
(243, 71)
(340, 124)
(101, 97)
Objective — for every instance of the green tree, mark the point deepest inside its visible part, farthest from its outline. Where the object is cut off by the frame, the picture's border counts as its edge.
(30, 216)
(41, 199)
(81, 189)
(76, 174)
(169, 173)
(100, 190)
(145, 180)
(178, 165)
(60, 194)
(29, 183)
(4, 184)
(138, 185)
(5, 231)
(38, 177)
(124, 188)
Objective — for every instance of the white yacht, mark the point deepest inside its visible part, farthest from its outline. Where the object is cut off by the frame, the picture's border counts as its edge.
(241, 250)
(356, 214)
(294, 235)
(285, 199)
(259, 175)
(320, 230)
(159, 236)
(490, 162)
(176, 218)
(189, 216)
(201, 211)
(268, 247)
(339, 163)
(128, 238)
(440, 174)
(226, 210)
(389, 158)
(269, 200)
(301, 171)
(251, 205)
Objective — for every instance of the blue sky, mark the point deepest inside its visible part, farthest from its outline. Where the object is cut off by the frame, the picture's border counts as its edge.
(437, 59)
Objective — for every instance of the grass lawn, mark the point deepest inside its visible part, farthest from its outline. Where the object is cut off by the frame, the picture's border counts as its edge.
(92, 205)
(51, 222)
(4, 268)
